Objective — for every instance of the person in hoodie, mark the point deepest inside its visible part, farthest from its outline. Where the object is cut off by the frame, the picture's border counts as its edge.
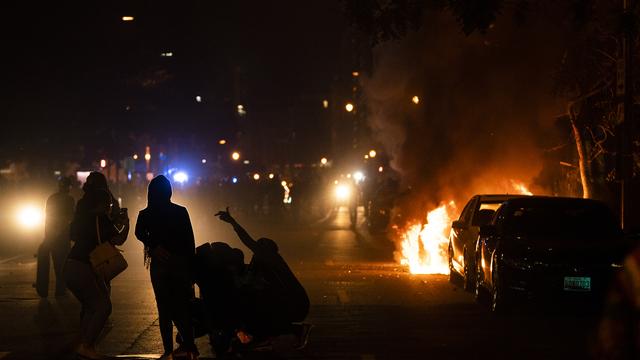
(165, 230)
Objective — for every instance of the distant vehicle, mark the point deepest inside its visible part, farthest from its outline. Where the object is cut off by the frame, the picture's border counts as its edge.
(546, 247)
(464, 234)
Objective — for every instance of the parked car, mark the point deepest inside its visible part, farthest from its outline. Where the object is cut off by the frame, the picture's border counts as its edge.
(548, 247)
(464, 234)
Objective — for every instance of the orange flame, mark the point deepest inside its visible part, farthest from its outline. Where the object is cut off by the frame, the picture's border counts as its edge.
(424, 246)
(520, 187)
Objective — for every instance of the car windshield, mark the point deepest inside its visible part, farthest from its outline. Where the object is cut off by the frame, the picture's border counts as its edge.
(570, 219)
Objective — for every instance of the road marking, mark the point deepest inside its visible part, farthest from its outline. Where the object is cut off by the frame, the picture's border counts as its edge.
(342, 296)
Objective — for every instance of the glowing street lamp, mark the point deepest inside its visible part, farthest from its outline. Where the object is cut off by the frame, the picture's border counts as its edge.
(372, 153)
(147, 156)
(135, 156)
(235, 156)
(127, 18)
(324, 161)
(271, 176)
(325, 103)
(415, 99)
(256, 176)
(103, 163)
(222, 141)
(349, 107)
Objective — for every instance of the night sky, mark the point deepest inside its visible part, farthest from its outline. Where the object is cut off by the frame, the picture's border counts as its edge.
(75, 74)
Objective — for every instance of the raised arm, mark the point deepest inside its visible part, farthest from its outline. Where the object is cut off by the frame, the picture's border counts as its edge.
(244, 236)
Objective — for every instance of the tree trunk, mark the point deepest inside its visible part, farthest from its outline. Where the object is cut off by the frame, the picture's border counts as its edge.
(582, 159)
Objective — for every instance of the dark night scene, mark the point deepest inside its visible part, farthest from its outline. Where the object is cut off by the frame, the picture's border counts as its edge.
(321, 179)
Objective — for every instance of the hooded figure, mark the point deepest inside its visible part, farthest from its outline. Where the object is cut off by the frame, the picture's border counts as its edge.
(165, 230)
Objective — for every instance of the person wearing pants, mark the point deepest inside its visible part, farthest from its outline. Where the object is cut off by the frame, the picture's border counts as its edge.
(165, 230)
(89, 227)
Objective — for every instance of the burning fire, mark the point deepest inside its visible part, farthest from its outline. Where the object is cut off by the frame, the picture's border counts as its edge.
(424, 246)
(520, 187)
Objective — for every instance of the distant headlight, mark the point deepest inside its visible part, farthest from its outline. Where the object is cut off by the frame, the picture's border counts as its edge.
(343, 192)
(29, 217)
(617, 265)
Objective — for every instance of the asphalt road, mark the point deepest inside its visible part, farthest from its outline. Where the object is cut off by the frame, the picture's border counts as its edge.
(364, 306)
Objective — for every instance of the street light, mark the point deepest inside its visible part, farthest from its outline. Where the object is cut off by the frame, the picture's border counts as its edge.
(222, 141)
(235, 156)
(103, 163)
(147, 156)
(127, 18)
(415, 99)
(135, 156)
(349, 107)
(325, 103)
(372, 153)
(324, 161)
(256, 176)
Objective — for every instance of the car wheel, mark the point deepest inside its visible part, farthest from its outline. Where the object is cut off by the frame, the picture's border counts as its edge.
(499, 299)
(468, 282)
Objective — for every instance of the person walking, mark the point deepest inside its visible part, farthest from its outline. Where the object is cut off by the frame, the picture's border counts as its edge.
(165, 230)
(57, 243)
(91, 225)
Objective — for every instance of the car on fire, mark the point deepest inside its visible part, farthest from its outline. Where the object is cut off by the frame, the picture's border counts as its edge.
(548, 248)
(478, 211)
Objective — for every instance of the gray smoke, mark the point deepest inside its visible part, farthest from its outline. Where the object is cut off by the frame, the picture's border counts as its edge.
(484, 103)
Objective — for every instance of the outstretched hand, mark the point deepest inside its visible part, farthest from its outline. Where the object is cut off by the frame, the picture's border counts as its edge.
(225, 216)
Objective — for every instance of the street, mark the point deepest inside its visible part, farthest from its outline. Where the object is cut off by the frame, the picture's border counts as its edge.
(364, 306)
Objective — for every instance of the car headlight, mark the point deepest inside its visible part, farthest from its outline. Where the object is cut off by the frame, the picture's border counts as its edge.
(29, 217)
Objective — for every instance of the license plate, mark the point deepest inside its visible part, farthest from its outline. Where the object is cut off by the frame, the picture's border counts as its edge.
(577, 283)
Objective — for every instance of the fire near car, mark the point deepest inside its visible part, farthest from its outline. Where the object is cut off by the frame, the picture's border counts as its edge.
(464, 234)
(548, 248)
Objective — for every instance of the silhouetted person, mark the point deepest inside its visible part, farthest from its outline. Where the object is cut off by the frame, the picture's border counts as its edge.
(59, 213)
(96, 181)
(165, 229)
(90, 225)
(278, 299)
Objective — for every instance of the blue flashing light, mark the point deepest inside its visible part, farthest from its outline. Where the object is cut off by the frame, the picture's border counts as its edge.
(180, 177)
(234, 180)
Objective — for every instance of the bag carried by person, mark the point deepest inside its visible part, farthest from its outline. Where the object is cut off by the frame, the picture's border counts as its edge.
(107, 260)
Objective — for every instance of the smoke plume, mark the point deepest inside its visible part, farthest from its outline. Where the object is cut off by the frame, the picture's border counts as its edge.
(484, 103)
